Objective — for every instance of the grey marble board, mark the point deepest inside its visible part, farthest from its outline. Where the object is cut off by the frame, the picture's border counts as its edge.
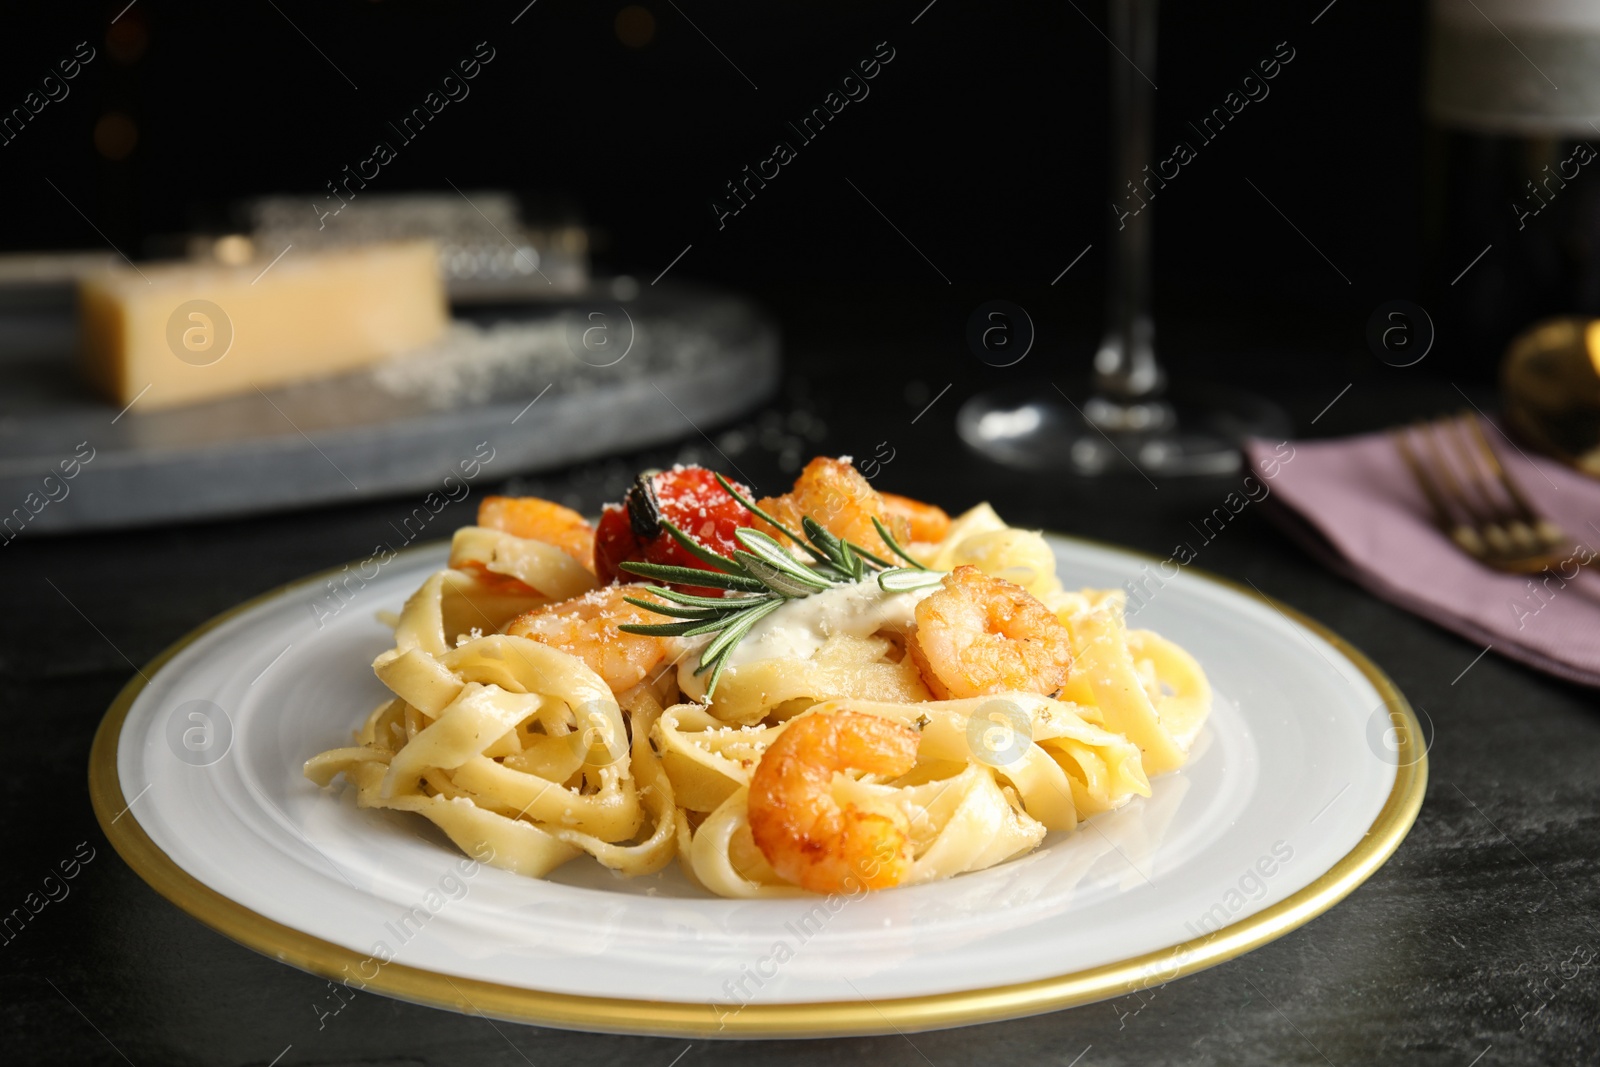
(510, 389)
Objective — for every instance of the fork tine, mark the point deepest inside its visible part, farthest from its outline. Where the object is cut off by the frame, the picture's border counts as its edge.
(1462, 532)
(1547, 532)
(1487, 507)
(1441, 513)
(1455, 489)
(1499, 529)
(1500, 523)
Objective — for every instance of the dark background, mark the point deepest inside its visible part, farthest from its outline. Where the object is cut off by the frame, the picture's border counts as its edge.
(985, 142)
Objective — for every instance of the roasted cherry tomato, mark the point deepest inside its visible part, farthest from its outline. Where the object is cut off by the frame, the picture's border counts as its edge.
(687, 497)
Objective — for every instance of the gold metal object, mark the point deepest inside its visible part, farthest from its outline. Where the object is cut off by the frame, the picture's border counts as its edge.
(1551, 383)
(1475, 501)
(830, 1019)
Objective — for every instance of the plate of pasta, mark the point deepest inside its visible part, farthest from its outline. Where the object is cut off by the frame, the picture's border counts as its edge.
(822, 762)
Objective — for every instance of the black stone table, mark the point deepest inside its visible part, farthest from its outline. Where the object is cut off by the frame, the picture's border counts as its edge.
(1477, 944)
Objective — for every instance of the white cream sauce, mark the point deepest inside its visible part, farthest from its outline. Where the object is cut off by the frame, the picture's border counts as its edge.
(799, 628)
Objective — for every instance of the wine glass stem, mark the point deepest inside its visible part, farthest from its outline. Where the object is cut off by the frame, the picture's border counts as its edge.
(1126, 370)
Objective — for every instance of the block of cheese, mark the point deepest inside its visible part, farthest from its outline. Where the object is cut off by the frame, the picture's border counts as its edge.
(191, 332)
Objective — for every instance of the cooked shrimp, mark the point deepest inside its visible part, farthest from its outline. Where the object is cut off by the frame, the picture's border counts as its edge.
(540, 520)
(979, 635)
(807, 836)
(836, 495)
(586, 626)
(927, 522)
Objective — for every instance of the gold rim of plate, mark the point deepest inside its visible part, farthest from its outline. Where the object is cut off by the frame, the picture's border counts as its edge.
(808, 1019)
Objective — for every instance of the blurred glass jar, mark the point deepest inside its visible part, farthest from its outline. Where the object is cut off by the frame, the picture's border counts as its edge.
(1511, 169)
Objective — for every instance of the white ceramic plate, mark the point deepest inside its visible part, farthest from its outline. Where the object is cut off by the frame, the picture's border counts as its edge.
(1307, 776)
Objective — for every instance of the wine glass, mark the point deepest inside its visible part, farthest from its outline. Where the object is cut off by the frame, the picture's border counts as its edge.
(1132, 420)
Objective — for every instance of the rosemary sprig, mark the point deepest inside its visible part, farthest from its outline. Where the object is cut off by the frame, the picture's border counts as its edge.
(803, 542)
(760, 577)
(894, 546)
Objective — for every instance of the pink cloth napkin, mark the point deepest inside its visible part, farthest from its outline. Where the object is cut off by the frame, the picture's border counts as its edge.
(1354, 504)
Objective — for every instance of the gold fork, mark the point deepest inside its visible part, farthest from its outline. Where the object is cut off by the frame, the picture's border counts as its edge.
(1475, 501)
